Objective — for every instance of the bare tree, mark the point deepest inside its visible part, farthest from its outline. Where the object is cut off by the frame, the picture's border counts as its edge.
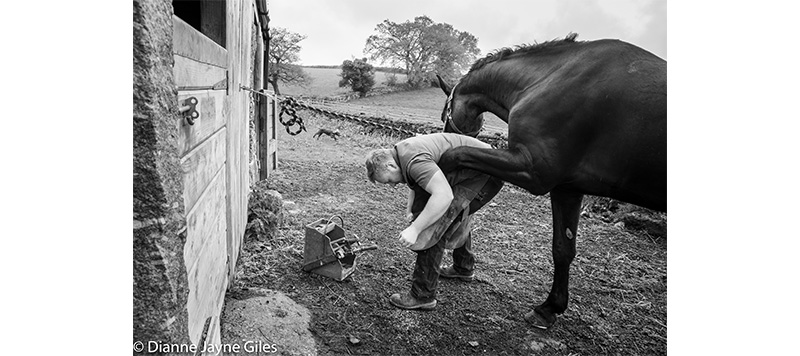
(284, 49)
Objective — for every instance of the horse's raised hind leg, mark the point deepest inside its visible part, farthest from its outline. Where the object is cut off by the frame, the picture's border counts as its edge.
(566, 212)
(517, 166)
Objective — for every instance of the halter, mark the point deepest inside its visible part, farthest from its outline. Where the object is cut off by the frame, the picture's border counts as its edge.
(449, 115)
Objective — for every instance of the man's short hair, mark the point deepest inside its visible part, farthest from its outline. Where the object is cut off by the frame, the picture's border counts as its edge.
(377, 161)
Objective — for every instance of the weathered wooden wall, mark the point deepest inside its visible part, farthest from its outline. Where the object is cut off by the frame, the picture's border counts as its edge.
(241, 15)
(215, 160)
(200, 62)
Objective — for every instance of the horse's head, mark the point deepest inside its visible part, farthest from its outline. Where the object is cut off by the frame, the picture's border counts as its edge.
(459, 114)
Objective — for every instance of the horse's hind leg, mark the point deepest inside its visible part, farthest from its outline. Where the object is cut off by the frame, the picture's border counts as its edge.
(566, 212)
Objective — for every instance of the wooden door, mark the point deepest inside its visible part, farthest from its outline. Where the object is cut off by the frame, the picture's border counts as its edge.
(267, 135)
(200, 71)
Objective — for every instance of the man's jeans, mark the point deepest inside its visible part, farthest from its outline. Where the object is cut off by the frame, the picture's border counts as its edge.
(426, 270)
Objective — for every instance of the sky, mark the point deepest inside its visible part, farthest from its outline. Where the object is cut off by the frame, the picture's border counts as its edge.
(337, 30)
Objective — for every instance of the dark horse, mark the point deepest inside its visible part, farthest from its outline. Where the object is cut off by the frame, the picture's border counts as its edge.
(584, 117)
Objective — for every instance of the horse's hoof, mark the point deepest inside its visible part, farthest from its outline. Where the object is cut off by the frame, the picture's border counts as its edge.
(539, 321)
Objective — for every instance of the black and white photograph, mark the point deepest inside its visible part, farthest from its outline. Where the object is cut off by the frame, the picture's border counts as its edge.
(383, 177)
(400, 178)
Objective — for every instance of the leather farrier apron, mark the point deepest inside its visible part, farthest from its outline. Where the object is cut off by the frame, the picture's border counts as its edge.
(454, 225)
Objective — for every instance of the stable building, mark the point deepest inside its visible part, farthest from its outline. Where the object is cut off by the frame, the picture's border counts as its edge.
(202, 137)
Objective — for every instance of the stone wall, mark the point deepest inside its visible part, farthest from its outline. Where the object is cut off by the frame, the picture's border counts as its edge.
(159, 228)
(253, 165)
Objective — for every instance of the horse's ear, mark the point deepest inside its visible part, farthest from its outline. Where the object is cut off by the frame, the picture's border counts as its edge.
(445, 88)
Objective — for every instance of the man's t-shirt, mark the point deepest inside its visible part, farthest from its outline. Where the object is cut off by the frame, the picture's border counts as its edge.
(418, 155)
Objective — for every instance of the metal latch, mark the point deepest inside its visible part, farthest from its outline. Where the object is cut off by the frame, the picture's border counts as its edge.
(189, 110)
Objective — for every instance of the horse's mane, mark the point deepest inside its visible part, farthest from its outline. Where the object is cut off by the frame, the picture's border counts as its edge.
(522, 49)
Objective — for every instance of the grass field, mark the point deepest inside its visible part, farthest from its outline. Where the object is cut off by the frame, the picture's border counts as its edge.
(618, 282)
(326, 83)
(427, 102)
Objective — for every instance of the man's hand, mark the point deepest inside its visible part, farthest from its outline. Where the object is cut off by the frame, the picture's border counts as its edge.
(409, 236)
(409, 217)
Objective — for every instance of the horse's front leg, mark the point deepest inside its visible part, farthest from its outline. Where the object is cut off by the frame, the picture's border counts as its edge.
(566, 212)
(514, 165)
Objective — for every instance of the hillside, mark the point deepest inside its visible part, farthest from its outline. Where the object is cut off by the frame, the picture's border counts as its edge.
(326, 83)
(423, 105)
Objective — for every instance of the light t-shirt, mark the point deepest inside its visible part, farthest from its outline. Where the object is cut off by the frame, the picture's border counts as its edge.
(418, 155)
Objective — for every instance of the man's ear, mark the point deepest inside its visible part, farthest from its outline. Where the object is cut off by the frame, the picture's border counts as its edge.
(445, 87)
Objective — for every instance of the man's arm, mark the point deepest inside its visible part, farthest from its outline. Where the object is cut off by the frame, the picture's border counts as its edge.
(409, 214)
(435, 208)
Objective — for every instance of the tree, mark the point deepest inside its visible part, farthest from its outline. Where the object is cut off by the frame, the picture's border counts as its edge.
(283, 53)
(358, 75)
(423, 47)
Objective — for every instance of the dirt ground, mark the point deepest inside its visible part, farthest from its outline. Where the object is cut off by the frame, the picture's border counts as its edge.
(618, 281)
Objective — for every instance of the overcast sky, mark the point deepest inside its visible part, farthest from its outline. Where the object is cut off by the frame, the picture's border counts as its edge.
(337, 30)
